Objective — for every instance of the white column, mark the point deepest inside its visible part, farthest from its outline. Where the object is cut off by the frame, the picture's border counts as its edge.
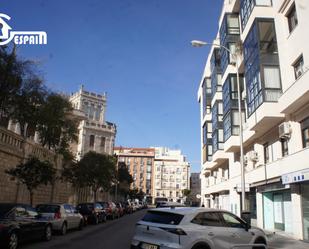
(297, 223)
(259, 210)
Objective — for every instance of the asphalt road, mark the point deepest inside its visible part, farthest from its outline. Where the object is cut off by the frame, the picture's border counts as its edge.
(115, 234)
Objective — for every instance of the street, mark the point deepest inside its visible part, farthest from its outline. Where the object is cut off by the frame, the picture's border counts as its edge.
(115, 234)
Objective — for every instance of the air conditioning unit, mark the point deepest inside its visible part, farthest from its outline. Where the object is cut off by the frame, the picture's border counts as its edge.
(253, 156)
(285, 130)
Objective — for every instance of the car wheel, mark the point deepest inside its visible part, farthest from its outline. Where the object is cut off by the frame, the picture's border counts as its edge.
(81, 225)
(47, 233)
(13, 241)
(259, 241)
(64, 229)
(201, 246)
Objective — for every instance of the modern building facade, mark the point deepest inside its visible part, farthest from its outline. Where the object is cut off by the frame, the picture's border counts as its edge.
(95, 133)
(270, 39)
(140, 163)
(172, 174)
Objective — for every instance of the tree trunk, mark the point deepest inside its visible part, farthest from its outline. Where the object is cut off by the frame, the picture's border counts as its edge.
(95, 195)
(31, 197)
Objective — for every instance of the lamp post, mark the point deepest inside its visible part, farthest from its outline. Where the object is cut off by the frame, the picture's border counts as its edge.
(196, 43)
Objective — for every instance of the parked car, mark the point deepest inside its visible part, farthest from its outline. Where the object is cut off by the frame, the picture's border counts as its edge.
(127, 207)
(61, 216)
(120, 208)
(169, 204)
(21, 222)
(92, 212)
(193, 228)
(110, 209)
(134, 206)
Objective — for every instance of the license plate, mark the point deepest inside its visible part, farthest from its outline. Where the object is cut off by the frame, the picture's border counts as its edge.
(149, 246)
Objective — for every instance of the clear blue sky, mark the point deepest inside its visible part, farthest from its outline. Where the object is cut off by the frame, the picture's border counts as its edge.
(138, 51)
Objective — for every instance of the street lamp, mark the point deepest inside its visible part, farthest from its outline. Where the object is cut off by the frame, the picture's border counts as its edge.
(197, 43)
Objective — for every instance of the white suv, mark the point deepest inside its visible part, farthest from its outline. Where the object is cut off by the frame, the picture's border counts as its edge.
(194, 228)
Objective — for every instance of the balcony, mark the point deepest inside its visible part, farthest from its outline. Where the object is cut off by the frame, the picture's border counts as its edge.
(219, 157)
(265, 117)
(232, 144)
(296, 96)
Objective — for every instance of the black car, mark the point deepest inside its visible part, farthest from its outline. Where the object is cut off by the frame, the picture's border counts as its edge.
(92, 212)
(20, 222)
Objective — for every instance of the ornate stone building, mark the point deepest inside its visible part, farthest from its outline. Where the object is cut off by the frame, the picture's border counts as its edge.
(95, 133)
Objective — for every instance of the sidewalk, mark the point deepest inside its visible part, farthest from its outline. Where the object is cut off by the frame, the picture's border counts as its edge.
(276, 241)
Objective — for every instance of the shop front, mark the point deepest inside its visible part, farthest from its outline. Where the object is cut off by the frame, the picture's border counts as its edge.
(277, 206)
(301, 179)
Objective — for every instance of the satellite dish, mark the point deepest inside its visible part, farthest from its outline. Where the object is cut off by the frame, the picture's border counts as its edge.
(198, 196)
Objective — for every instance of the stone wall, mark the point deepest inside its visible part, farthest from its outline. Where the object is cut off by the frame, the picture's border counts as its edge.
(13, 151)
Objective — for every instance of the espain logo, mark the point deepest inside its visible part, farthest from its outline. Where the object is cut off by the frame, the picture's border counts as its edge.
(19, 37)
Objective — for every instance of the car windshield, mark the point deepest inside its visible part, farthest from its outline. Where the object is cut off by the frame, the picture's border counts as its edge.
(5, 209)
(48, 208)
(162, 217)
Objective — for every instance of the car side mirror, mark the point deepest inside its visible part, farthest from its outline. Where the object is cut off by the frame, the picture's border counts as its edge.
(247, 226)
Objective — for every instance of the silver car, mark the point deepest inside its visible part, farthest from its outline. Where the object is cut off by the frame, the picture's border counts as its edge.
(62, 216)
(194, 228)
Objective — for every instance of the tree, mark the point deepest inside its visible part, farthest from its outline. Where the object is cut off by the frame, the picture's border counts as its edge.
(186, 192)
(94, 170)
(136, 193)
(27, 102)
(124, 179)
(55, 126)
(33, 173)
(12, 71)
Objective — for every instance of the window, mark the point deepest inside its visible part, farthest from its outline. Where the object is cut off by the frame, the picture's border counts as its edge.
(246, 8)
(292, 18)
(162, 217)
(233, 24)
(305, 132)
(98, 113)
(67, 208)
(284, 147)
(299, 67)
(207, 219)
(102, 144)
(232, 221)
(266, 153)
(272, 83)
(260, 51)
(91, 111)
(91, 141)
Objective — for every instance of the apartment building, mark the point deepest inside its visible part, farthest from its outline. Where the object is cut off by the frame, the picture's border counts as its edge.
(172, 174)
(270, 40)
(140, 162)
(95, 133)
